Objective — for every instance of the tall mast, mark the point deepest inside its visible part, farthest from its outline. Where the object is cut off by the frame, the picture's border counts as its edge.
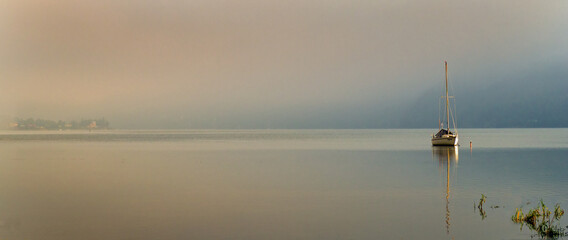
(447, 97)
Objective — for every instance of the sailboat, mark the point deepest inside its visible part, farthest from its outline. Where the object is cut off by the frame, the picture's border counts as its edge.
(444, 136)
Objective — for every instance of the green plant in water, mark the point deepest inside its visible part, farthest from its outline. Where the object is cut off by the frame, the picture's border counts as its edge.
(558, 212)
(518, 217)
(541, 220)
(480, 207)
(481, 201)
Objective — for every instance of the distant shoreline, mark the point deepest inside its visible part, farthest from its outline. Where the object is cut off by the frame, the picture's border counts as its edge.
(21, 124)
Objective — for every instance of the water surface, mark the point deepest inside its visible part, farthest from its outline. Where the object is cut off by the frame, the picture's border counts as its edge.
(275, 184)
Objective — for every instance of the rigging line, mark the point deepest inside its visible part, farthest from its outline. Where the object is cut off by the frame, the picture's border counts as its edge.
(455, 116)
(450, 84)
(452, 113)
(439, 110)
(442, 96)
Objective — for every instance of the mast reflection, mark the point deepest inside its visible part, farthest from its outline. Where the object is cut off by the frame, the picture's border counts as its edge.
(446, 155)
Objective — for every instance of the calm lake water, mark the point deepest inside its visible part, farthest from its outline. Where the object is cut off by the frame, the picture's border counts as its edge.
(276, 184)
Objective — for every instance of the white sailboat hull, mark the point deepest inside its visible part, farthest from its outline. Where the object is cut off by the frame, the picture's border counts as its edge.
(445, 140)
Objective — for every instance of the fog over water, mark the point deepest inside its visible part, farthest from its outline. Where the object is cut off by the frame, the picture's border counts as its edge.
(266, 64)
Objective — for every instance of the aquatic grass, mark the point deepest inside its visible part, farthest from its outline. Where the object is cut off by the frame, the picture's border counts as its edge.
(558, 212)
(541, 220)
(481, 201)
(518, 216)
(482, 212)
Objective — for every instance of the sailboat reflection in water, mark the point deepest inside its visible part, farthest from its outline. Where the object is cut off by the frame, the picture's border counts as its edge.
(446, 155)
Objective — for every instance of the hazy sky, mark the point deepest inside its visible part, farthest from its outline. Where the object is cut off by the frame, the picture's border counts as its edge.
(257, 63)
